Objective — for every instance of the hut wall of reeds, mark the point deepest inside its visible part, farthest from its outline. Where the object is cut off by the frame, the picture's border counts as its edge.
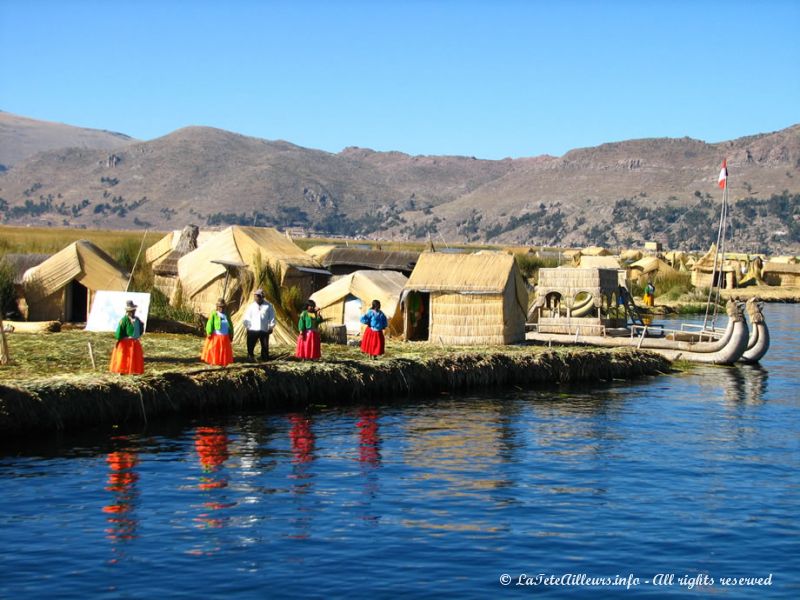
(472, 298)
(781, 274)
(647, 268)
(705, 276)
(62, 287)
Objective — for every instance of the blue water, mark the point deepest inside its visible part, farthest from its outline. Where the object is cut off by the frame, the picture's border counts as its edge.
(694, 475)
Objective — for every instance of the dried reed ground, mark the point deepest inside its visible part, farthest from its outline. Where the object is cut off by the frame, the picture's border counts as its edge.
(51, 386)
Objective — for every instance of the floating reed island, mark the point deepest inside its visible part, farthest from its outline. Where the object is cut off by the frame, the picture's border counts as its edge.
(74, 402)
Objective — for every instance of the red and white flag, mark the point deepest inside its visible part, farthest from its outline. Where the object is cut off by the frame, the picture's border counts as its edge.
(723, 174)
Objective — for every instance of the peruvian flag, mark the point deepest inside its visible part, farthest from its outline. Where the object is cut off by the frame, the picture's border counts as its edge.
(723, 174)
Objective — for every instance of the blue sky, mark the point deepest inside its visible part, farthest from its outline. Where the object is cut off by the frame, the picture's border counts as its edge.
(490, 78)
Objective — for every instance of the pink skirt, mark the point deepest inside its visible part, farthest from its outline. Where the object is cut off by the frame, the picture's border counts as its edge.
(217, 350)
(308, 347)
(373, 342)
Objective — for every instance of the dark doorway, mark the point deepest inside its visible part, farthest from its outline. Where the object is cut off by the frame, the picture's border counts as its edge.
(76, 303)
(417, 316)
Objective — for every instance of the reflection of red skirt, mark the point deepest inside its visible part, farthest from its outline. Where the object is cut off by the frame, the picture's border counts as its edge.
(373, 342)
(308, 347)
(127, 358)
(217, 350)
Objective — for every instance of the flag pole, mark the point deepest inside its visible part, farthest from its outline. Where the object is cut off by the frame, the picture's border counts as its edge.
(720, 242)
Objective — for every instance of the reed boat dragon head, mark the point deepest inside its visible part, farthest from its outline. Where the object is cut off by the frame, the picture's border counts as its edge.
(754, 310)
(734, 310)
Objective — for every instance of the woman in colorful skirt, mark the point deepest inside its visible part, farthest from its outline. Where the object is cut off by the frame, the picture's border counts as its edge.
(308, 343)
(217, 349)
(127, 357)
(373, 341)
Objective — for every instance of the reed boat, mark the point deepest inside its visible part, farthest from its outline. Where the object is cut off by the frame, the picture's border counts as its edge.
(617, 322)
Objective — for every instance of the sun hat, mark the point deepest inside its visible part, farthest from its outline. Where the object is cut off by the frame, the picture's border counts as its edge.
(129, 306)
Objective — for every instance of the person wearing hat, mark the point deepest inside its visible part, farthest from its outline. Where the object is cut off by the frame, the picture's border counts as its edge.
(127, 357)
(259, 321)
(308, 342)
(217, 349)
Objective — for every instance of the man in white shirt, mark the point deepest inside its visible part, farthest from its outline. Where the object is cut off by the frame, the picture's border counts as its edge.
(259, 320)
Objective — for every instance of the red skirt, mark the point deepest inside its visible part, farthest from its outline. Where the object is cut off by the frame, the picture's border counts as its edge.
(127, 357)
(308, 347)
(373, 342)
(217, 350)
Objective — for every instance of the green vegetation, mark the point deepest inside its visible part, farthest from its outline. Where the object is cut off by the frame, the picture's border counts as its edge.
(8, 303)
(529, 265)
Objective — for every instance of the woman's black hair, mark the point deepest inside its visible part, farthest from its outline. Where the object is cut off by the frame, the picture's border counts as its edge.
(376, 305)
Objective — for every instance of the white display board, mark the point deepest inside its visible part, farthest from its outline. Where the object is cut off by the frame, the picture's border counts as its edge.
(109, 307)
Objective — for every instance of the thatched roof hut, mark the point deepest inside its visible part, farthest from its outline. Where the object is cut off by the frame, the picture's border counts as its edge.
(649, 267)
(465, 299)
(202, 277)
(704, 274)
(595, 251)
(342, 261)
(62, 287)
(165, 265)
(782, 274)
(320, 250)
(350, 296)
(176, 239)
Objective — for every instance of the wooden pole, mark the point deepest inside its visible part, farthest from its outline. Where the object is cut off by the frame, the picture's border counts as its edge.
(91, 356)
(136, 262)
(4, 355)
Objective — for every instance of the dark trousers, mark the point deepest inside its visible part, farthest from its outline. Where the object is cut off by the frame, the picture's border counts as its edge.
(258, 336)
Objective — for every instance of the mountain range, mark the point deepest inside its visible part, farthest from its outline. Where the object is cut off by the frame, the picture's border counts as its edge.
(616, 194)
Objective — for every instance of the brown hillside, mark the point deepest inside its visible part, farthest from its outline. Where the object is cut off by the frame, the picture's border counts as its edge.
(22, 137)
(615, 194)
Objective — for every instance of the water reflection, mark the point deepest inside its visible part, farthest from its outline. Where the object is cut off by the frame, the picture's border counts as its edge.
(122, 519)
(211, 444)
(122, 479)
(302, 440)
(369, 437)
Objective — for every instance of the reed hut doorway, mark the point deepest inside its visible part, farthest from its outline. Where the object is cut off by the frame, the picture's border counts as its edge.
(417, 316)
(76, 302)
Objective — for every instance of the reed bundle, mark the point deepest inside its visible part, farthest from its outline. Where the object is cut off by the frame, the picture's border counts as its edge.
(74, 402)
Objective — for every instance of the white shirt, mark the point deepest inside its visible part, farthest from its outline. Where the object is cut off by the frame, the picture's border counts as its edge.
(259, 317)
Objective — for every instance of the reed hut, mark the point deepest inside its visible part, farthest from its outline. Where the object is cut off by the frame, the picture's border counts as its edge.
(179, 238)
(62, 287)
(320, 250)
(781, 274)
(649, 268)
(704, 275)
(19, 264)
(465, 299)
(595, 251)
(203, 272)
(346, 299)
(343, 261)
(163, 257)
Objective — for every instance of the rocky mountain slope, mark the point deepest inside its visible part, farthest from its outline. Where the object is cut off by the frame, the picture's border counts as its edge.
(616, 194)
(21, 138)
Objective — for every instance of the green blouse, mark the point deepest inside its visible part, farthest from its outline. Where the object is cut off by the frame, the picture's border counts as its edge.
(129, 329)
(308, 322)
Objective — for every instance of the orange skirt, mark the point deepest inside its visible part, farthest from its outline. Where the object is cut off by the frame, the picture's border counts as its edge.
(308, 347)
(127, 358)
(373, 342)
(217, 350)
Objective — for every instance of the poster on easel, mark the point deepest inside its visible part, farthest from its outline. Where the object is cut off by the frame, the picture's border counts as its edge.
(109, 307)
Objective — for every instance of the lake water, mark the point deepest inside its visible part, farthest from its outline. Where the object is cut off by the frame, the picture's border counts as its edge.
(694, 476)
